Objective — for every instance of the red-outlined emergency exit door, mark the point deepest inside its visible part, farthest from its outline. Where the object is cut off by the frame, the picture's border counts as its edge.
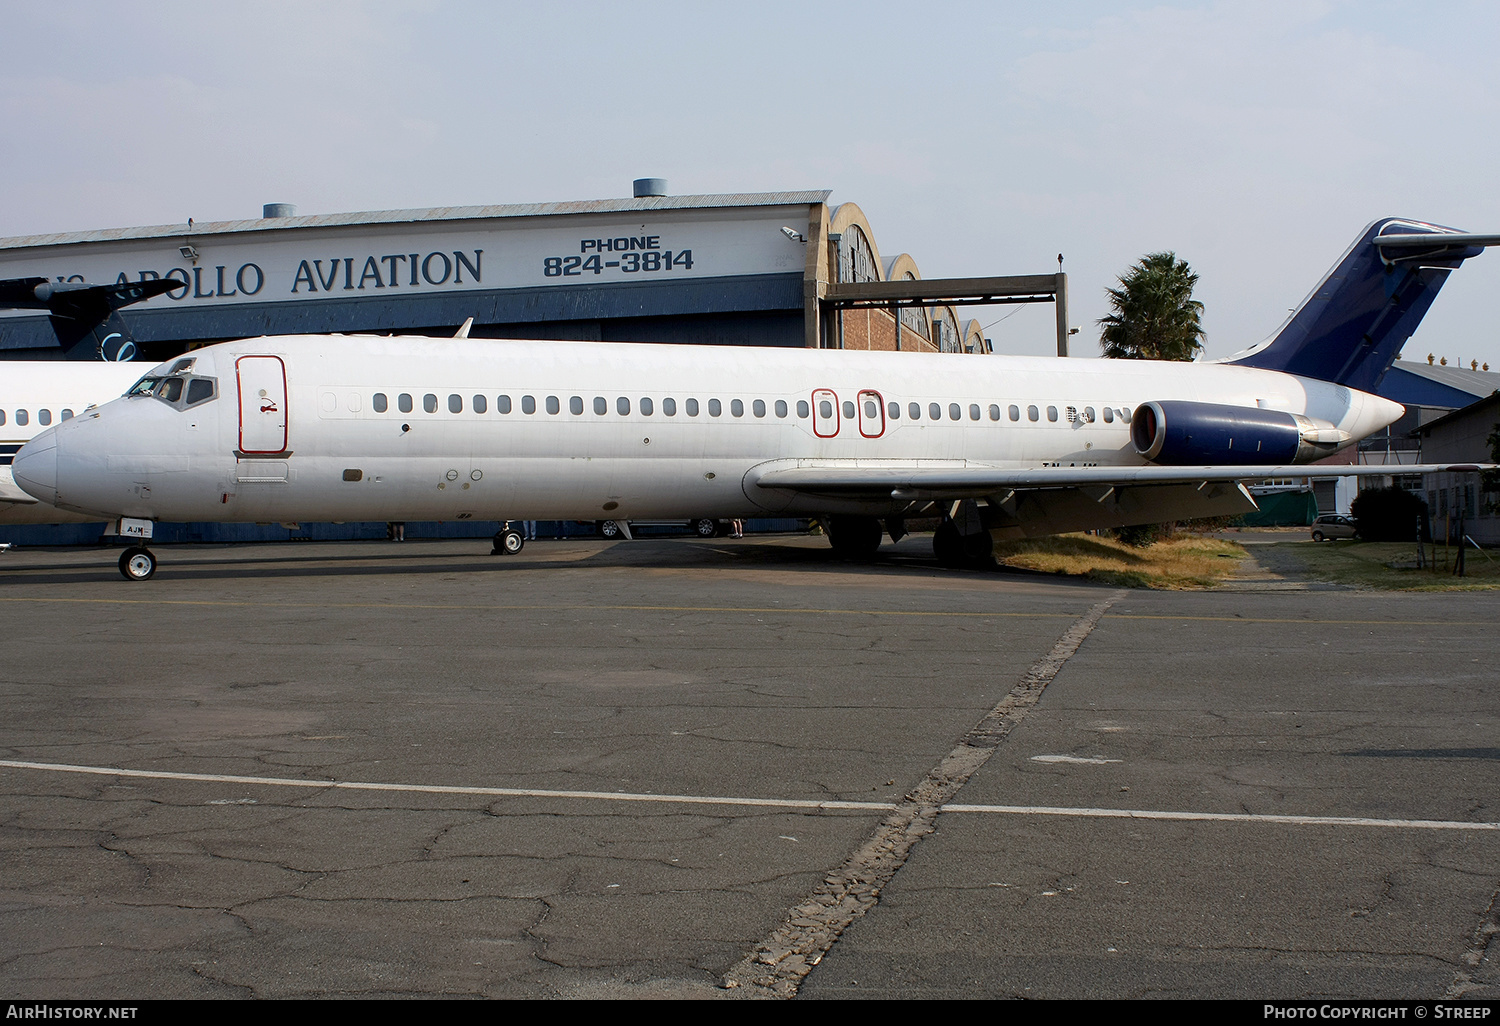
(262, 385)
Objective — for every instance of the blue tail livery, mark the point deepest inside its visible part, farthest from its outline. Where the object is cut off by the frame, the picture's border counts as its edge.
(1361, 314)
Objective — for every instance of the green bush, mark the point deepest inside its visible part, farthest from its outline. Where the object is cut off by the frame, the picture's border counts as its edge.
(1388, 514)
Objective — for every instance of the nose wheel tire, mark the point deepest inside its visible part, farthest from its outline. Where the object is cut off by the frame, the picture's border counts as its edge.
(137, 563)
(508, 543)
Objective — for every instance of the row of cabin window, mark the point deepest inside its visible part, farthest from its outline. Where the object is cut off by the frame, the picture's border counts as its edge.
(43, 417)
(480, 404)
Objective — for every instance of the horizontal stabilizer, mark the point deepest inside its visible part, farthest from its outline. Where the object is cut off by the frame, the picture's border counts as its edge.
(70, 298)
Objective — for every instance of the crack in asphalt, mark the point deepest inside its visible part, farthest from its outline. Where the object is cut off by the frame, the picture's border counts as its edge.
(778, 965)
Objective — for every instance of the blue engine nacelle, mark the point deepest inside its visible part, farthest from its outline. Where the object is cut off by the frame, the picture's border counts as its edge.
(1176, 434)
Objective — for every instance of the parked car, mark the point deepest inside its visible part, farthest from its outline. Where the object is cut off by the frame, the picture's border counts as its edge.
(703, 527)
(1334, 525)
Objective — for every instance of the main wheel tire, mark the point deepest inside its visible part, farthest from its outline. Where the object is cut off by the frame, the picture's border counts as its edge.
(948, 545)
(958, 551)
(512, 542)
(608, 528)
(137, 563)
(854, 537)
(704, 527)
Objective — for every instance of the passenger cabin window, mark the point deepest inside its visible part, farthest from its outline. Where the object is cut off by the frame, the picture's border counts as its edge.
(691, 406)
(601, 405)
(1088, 414)
(914, 411)
(429, 403)
(1052, 413)
(66, 415)
(44, 417)
(954, 411)
(502, 404)
(669, 407)
(379, 403)
(622, 406)
(934, 411)
(2, 416)
(803, 410)
(528, 404)
(23, 418)
(647, 407)
(575, 405)
(825, 409)
(1109, 415)
(973, 411)
(1033, 414)
(553, 406)
(894, 410)
(872, 409)
(758, 407)
(781, 408)
(714, 408)
(403, 402)
(848, 406)
(736, 408)
(455, 404)
(994, 412)
(480, 404)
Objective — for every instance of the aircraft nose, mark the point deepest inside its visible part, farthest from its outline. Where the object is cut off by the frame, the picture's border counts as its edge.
(35, 468)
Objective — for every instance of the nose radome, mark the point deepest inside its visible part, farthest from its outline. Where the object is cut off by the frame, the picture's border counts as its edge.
(35, 468)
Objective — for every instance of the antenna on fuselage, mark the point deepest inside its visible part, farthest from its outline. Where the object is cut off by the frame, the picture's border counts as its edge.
(463, 329)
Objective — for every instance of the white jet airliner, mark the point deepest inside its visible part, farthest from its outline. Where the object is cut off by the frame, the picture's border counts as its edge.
(35, 395)
(368, 428)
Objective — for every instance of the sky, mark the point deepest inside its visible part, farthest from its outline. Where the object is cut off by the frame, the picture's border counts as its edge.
(1254, 140)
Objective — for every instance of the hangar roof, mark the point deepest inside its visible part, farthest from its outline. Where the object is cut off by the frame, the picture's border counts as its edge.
(378, 217)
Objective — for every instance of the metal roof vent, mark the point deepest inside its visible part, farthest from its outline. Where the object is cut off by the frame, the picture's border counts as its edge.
(650, 187)
(279, 210)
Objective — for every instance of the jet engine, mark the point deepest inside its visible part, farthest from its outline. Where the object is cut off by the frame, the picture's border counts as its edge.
(1177, 433)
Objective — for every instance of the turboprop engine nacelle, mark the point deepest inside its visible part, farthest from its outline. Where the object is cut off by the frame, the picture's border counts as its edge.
(1176, 433)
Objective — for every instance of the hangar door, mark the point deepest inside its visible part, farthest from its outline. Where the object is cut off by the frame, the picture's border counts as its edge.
(262, 384)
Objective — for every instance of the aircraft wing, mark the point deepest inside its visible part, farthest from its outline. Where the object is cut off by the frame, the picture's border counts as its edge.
(919, 479)
(1028, 502)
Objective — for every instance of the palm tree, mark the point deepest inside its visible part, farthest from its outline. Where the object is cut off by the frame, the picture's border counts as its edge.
(1155, 315)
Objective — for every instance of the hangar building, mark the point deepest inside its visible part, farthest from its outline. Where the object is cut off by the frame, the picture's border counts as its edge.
(737, 269)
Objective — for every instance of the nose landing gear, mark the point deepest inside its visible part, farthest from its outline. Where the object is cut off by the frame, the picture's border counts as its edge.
(508, 542)
(137, 563)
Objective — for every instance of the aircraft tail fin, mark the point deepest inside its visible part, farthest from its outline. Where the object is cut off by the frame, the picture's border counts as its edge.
(85, 317)
(1352, 326)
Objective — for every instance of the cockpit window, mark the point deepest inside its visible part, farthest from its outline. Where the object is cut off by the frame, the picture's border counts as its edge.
(179, 390)
(199, 390)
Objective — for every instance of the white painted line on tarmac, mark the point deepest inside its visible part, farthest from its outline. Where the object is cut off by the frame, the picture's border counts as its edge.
(1221, 817)
(495, 792)
(1080, 760)
(811, 805)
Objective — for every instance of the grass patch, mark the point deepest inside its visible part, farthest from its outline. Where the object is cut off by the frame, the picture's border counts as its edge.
(1392, 566)
(1187, 561)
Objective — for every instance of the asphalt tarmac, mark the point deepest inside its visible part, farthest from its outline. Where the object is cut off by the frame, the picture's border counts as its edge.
(733, 769)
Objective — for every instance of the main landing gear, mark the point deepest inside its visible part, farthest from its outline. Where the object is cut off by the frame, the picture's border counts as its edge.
(137, 563)
(508, 542)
